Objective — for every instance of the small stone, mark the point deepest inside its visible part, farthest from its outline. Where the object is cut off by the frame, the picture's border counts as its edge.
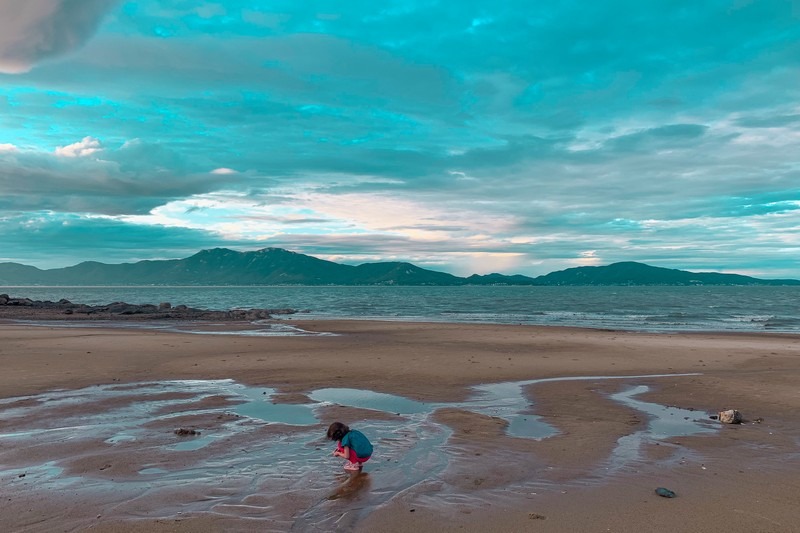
(665, 493)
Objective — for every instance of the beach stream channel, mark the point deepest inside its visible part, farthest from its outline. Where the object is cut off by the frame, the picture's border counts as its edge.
(246, 453)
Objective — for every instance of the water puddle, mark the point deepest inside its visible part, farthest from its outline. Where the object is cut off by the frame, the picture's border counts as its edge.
(152, 471)
(120, 438)
(258, 328)
(664, 422)
(252, 455)
(193, 444)
(262, 407)
(377, 401)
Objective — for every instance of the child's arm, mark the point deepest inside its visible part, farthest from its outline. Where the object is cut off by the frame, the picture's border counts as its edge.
(344, 452)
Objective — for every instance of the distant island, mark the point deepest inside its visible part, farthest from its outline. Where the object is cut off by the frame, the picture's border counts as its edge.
(276, 266)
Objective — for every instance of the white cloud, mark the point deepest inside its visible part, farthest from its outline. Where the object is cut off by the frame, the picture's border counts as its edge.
(411, 217)
(85, 147)
(6, 147)
(224, 171)
(32, 30)
(465, 264)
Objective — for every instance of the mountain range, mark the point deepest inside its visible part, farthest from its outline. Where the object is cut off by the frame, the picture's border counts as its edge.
(276, 266)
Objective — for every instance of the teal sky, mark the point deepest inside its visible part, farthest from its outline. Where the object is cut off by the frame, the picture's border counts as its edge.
(513, 136)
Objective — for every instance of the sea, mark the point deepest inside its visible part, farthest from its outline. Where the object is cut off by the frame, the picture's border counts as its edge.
(634, 308)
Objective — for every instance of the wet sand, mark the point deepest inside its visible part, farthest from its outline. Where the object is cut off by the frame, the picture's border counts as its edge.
(87, 420)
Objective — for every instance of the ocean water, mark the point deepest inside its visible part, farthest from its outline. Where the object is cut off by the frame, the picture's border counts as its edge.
(718, 308)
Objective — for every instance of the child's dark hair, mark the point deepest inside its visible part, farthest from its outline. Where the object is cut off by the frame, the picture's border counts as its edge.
(337, 430)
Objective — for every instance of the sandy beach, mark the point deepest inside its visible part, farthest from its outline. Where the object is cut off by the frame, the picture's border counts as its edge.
(88, 418)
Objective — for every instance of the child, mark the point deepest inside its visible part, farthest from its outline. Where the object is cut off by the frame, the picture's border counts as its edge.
(350, 444)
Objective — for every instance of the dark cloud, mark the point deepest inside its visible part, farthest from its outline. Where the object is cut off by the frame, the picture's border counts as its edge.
(559, 131)
(48, 240)
(661, 137)
(31, 31)
(105, 181)
(767, 121)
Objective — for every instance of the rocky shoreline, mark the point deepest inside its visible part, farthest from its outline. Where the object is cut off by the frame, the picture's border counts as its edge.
(25, 308)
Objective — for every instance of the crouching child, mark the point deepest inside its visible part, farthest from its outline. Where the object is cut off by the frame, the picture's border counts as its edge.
(351, 444)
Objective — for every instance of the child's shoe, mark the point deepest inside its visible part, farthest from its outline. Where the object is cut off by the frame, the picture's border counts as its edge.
(352, 467)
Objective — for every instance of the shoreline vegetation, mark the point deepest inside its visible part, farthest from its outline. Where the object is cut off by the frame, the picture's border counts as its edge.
(467, 473)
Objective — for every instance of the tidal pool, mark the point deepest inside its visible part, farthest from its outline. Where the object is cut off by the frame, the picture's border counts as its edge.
(260, 458)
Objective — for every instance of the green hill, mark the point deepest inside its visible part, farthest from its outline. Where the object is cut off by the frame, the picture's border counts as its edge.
(276, 266)
(631, 273)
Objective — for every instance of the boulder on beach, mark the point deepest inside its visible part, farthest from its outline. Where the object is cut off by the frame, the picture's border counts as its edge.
(730, 416)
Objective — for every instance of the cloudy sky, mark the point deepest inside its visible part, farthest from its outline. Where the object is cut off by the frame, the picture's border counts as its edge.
(468, 136)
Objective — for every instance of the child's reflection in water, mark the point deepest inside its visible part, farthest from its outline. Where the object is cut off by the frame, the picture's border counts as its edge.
(355, 484)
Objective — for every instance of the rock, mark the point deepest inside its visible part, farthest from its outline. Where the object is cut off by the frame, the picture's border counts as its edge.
(665, 493)
(66, 310)
(130, 309)
(284, 311)
(186, 431)
(118, 307)
(730, 416)
(257, 314)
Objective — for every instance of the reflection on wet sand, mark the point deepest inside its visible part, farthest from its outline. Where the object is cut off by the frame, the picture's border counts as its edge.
(253, 456)
(354, 485)
(257, 328)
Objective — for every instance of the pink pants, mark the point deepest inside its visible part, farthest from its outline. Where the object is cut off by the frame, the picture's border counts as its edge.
(353, 457)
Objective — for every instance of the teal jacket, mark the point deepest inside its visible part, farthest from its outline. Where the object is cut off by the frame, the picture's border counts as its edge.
(358, 442)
